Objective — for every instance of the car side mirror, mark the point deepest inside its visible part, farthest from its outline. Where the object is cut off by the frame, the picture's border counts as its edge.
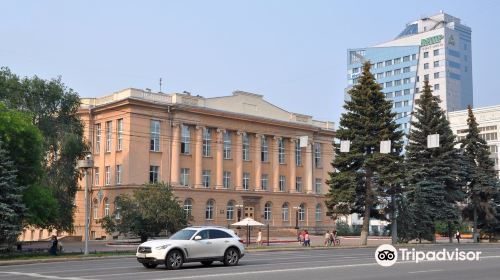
(197, 238)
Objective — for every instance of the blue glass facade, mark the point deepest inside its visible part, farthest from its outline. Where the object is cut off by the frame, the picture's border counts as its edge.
(395, 69)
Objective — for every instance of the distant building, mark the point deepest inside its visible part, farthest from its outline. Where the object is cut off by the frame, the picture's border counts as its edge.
(222, 155)
(488, 119)
(436, 48)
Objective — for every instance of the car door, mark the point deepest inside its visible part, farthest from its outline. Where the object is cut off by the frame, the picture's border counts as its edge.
(220, 240)
(200, 248)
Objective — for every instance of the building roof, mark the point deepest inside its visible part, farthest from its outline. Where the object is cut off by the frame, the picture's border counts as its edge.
(240, 102)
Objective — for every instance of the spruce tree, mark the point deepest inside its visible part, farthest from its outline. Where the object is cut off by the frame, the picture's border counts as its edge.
(364, 178)
(11, 202)
(432, 181)
(482, 182)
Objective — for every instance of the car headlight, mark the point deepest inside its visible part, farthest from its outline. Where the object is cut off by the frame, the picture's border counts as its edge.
(162, 247)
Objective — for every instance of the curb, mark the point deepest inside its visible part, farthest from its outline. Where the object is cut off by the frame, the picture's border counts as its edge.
(80, 258)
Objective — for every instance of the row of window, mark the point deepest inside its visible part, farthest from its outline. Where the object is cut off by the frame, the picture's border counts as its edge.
(107, 175)
(109, 132)
(389, 62)
(395, 83)
(394, 72)
(398, 93)
(436, 64)
(264, 181)
(435, 53)
(268, 209)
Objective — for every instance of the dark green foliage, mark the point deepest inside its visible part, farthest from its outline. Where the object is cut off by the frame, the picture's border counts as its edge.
(152, 209)
(433, 185)
(12, 207)
(53, 109)
(481, 179)
(363, 178)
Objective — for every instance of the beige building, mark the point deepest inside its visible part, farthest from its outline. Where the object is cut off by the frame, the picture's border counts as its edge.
(488, 119)
(223, 156)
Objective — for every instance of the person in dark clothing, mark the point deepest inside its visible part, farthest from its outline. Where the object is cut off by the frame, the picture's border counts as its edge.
(53, 247)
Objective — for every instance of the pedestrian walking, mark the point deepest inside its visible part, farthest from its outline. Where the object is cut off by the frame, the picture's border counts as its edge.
(301, 238)
(307, 240)
(457, 236)
(259, 238)
(53, 246)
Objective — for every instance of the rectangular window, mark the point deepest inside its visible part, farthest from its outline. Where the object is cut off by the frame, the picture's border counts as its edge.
(246, 147)
(154, 172)
(453, 53)
(388, 95)
(406, 103)
(264, 182)
(426, 65)
(96, 176)
(397, 60)
(119, 136)
(381, 85)
(118, 174)
(246, 180)
(207, 142)
(185, 139)
(108, 135)
(227, 180)
(317, 186)
(436, 52)
(416, 90)
(380, 75)
(298, 153)
(97, 138)
(397, 71)
(454, 64)
(355, 70)
(298, 184)
(155, 136)
(106, 209)
(317, 155)
(406, 69)
(205, 177)
(281, 151)
(436, 75)
(380, 64)
(407, 91)
(426, 77)
(264, 153)
(426, 54)
(436, 87)
(388, 73)
(414, 56)
(406, 58)
(397, 93)
(388, 84)
(185, 177)
(107, 178)
(282, 183)
(397, 83)
(406, 80)
(397, 104)
(436, 63)
(388, 62)
(227, 144)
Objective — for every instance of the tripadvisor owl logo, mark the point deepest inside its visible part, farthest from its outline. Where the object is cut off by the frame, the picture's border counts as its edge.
(386, 255)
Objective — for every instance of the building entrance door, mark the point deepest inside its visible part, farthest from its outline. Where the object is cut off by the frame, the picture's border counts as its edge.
(249, 212)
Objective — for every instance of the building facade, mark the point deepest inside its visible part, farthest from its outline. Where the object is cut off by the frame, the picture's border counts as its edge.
(488, 119)
(223, 156)
(437, 49)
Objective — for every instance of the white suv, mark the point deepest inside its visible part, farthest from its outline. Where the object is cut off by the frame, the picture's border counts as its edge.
(204, 244)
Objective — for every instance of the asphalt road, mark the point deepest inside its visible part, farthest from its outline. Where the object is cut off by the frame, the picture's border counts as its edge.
(282, 265)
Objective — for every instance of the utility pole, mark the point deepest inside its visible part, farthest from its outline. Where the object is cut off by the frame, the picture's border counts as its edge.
(85, 165)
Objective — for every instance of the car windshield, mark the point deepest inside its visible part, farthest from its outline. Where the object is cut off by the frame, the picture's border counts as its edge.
(184, 234)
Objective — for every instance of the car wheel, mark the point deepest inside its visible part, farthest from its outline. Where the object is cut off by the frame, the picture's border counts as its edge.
(206, 263)
(149, 265)
(174, 260)
(231, 257)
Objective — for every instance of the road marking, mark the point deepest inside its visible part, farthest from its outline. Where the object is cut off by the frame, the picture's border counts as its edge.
(37, 275)
(424, 271)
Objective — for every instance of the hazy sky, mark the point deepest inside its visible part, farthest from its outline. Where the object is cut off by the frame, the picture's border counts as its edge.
(292, 52)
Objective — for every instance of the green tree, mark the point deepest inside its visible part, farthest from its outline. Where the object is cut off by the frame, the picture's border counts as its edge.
(433, 187)
(151, 209)
(482, 182)
(53, 109)
(363, 177)
(12, 208)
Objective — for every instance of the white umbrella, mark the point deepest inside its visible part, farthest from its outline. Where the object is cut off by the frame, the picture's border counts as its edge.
(248, 222)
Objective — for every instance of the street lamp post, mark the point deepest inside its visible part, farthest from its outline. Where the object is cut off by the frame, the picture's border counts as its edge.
(85, 165)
